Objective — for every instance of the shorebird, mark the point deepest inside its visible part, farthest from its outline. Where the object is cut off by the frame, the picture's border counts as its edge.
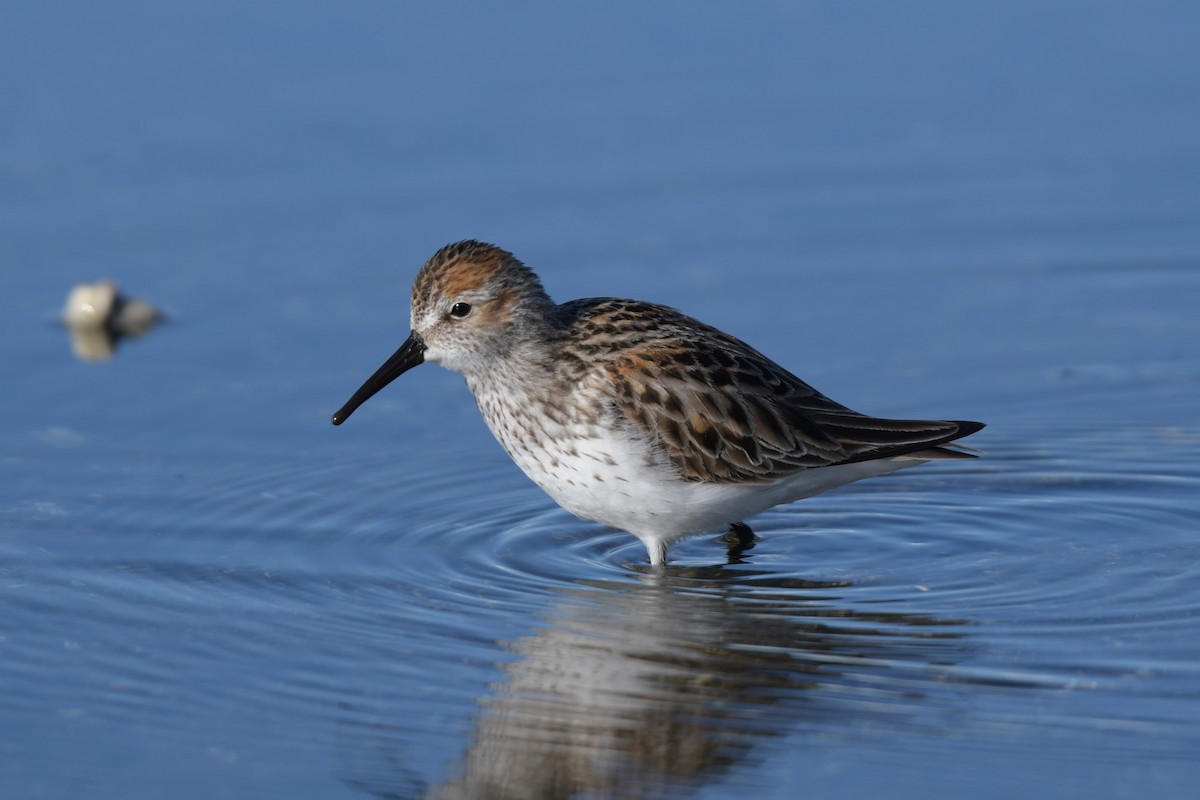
(636, 415)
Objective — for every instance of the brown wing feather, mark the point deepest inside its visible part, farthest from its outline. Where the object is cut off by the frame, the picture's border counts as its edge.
(720, 410)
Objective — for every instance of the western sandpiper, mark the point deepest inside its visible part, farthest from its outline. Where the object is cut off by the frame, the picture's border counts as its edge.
(636, 415)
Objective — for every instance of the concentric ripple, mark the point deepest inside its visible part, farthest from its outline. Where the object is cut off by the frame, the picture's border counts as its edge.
(451, 628)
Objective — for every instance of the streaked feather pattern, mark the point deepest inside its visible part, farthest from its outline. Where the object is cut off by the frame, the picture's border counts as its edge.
(721, 411)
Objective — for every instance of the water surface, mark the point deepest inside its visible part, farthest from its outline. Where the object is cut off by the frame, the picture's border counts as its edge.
(952, 211)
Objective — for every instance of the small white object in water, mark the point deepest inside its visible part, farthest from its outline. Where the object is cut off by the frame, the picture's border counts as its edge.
(90, 305)
(97, 315)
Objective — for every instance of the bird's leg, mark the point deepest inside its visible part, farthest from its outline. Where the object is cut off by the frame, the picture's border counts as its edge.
(738, 539)
(657, 549)
(739, 535)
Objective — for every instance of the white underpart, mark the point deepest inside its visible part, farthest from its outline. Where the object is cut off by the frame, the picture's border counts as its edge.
(611, 474)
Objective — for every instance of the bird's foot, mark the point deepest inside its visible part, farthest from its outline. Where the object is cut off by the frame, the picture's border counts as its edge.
(738, 539)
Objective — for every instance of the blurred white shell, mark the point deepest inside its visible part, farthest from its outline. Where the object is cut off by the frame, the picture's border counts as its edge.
(89, 305)
(97, 316)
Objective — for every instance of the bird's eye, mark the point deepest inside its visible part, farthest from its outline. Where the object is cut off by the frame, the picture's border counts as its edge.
(460, 310)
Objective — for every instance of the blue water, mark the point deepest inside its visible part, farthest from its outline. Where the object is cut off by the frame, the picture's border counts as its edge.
(951, 210)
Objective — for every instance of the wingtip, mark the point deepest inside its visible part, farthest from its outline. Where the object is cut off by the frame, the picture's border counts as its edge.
(949, 447)
(952, 448)
(966, 428)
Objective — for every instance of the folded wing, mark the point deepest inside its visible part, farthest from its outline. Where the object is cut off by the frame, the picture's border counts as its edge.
(722, 412)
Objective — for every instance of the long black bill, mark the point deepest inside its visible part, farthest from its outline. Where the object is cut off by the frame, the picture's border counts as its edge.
(410, 354)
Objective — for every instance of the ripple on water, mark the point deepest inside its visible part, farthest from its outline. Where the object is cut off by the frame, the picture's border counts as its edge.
(452, 615)
(885, 605)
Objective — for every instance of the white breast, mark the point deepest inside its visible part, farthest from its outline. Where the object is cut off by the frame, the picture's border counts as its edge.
(597, 466)
(591, 463)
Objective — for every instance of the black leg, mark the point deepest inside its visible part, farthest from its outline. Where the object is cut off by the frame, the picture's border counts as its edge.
(738, 539)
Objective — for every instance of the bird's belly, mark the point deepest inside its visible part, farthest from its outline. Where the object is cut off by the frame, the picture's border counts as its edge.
(605, 479)
(622, 482)
(611, 476)
(592, 468)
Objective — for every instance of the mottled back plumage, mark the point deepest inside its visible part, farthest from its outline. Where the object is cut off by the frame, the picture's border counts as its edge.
(721, 410)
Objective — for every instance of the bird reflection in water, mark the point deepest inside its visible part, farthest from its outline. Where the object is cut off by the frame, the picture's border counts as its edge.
(655, 687)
